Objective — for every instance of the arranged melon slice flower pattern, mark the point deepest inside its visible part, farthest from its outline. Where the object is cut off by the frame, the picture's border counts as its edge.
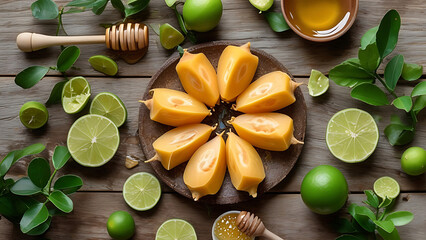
(259, 127)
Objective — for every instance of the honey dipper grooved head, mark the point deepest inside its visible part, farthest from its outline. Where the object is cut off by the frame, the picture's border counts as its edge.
(127, 37)
(250, 224)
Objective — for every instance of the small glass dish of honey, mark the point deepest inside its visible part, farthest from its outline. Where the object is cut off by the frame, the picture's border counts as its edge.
(320, 20)
(225, 228)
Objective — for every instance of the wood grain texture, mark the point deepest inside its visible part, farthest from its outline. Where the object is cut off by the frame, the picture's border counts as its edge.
(111, 177)
(284, 214)
(240, 22)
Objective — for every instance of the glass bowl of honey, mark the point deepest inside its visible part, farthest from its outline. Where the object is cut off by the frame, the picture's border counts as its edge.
(225, 227)
(320, 20)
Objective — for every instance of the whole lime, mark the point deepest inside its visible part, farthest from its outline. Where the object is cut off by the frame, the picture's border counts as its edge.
(413, 161)
(324, 189)
(202, 15)
(121, 225)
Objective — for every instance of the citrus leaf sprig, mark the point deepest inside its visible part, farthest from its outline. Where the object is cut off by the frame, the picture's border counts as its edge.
(187, 33)
(30, 76)
(20, 201)
(361, 75)
(365, 222)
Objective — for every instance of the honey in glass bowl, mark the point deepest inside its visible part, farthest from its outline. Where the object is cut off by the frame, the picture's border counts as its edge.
(319, 18)
(225, 228)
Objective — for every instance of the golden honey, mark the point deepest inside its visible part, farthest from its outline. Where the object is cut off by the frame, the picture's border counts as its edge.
(318, 18)
(226, 228)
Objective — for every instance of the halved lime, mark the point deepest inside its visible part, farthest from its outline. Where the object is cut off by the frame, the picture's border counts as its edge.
(33, 115)
(109, 105)
(352, 135)
(75, 95)
(386, 187)
(104, 64)
(318, 83)
(142, 191)
(176, 229)
(93, 140)
(262, 5)
(170, 37)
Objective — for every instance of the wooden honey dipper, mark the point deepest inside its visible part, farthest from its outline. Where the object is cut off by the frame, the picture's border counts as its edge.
(252, 226)
(124, 37)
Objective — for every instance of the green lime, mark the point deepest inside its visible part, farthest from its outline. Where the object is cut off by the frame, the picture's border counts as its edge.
(176, 229)
(202, 15)
(170, 37)
(386, 187)
(121, 225)
(262, 5)
(318, 83)
(33, 115)
(324, 189)
(413, 161)
(352, 135)
(109, 105)
(75, 95)
(93, 140)
(142, 191)
(104, 64)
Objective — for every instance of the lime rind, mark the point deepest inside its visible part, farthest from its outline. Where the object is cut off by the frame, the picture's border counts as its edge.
(33, 115)
(318, 83)
(176, 229)
(262, 5)
(109, 105)
(386, 187)
(75, 95)
(142, 191)
(104, 64)
(170, 37)
(352, 135)
(93, 140)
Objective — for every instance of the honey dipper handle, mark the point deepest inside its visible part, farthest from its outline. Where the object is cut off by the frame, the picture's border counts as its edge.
(269, 235)
(29, 42)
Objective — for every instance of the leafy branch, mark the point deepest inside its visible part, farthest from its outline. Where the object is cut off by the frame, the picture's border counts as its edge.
(31, 201)
(32, 75)
(366, 222)
(361, 75)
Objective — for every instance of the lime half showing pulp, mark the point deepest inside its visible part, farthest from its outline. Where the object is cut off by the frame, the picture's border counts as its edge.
(109, 105)
(75, 95)
(142, 191)
(176, 229)
(33, 115)
(318, 83)
(386, 187)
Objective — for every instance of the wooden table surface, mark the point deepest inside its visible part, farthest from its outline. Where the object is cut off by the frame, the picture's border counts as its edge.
(282, 208)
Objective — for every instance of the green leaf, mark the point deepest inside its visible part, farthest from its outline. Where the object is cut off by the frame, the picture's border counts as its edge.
(33, 217)
(365, 217)
(40, 229)
(39, 172)
(400, 218)
(68, 184)
(393, 71)
(369, 37)
(14, 156)
(99, 6)
(347, 237)
(276, 21)
(370, 94)
(180, 50)
(60, 156)
(403, 102)
(170, 3)
(22, 204)
(343, 225)
(369, 57)
(387, 34)
(411, 71)
(372, 198)
(349, 74)
(56, 93)
(351, 209)
(136, 7)
(67, 58)
(419, 104)
(389, 236)
(7, 208)
(25, 187)
(61, 201)
(75, 10)
(81, 3)
(385, 225)
(419, 89)
(30, 76)
(44, 9)
(399, 134)
(117, 4)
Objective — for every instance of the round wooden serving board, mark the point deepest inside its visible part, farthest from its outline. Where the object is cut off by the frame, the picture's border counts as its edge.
(277, 164)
